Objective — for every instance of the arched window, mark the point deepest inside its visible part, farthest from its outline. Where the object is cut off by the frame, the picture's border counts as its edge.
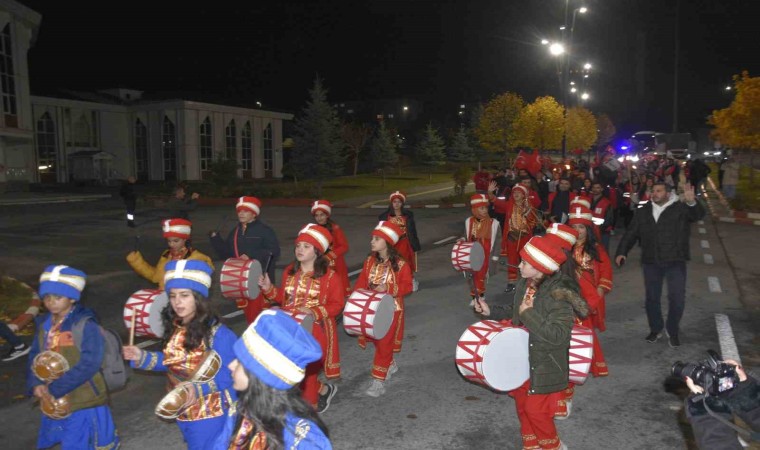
(206, 145)
(169, 149)
(82, 135)
(230, 147)
(141, 151)
(268, 153)
(46, 148)
(8, 78)
(247, 144)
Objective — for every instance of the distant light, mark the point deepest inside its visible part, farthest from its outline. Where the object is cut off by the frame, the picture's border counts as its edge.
(544, 42)
(587, 66)
(635, 159)
(584, 96)
(258, 104)
(728, 88)
(562, 27)
(582, 10)
(461, 113)
(585, 76)
(707, 153)
(621, 159)
(573, 90)
(567, 166)
(406, 108)
(556, 49)
(572, 83)
(461, 106)
(633, 167)
(625, 147)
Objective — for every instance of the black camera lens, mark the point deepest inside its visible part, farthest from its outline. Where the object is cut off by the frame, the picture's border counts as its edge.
(682, 370)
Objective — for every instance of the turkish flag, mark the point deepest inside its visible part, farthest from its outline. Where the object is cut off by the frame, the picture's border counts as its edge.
(529, 161)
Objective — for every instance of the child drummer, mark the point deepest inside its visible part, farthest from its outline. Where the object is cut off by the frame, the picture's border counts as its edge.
(481, 228)
(385, 270)
(250, 239)
(177, 234)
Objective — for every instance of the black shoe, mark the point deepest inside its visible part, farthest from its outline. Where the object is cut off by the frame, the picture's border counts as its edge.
(17, 352)
(324, 399)
(510, 288)
(673, 341)
(653, 337)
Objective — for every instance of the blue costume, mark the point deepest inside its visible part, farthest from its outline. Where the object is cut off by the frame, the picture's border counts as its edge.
(298, 434)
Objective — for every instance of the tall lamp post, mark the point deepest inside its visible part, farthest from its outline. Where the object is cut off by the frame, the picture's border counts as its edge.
(566, 62)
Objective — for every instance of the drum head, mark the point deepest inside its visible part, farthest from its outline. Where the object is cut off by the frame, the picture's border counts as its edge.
(159, 303)
(477, 257)
(505, 363)
(384, 316)
(254, 272)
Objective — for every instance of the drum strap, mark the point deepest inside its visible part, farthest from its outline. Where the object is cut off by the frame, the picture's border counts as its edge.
(234, 242)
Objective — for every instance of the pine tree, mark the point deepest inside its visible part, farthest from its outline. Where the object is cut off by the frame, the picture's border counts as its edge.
(460, 149)
(383, 152)
(430, 151)
(318, 152)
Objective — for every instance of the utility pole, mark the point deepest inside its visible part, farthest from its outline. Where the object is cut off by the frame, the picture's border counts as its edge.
(677, 46)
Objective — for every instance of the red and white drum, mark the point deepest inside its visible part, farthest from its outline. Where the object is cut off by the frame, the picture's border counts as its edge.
(494, 354)
(580, 354)
(240, 278)
(305, 320)
(147, 305)
(467, 256)
(368, 313)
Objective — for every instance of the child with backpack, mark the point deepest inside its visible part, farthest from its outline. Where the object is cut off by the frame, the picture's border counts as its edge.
(192, 329)
(75, 402)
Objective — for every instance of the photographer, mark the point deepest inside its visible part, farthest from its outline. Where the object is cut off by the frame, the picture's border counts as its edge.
(743, 400)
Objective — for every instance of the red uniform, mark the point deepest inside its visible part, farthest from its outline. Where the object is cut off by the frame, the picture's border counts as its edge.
(324, 297)
(399, 284)
(485, 231)
(519, 220)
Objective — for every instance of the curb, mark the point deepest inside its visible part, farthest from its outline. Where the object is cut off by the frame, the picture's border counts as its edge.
(42, 201)
(740, 217)
(35, 304)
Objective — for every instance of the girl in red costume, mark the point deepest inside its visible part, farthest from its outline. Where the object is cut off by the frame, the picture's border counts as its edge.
(408, 244)
(322, 210)
(385, 270)
(520, 219)
(480, 227)
(310, 286)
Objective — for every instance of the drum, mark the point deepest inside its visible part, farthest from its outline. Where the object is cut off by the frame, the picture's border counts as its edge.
(580, 354)
(305, 320)
(494, 354)
(240, 278)
(368, 313)
(208, 368)
(49, 365)
(467, 256)
(175, 402)
(147, 304)
(57, 408)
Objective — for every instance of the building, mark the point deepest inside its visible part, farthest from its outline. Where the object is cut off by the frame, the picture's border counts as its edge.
(108, 135)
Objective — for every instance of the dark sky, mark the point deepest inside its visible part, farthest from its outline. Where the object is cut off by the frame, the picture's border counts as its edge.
(444, 52)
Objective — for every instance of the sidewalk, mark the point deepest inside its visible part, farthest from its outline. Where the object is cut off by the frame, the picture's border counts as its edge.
(721, 210)
(39, 198)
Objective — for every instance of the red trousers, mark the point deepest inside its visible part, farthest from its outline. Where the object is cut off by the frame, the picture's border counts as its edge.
(386, 347)
(564, 397)
(536, 413)
(310, 386)
(251, 308)
(481, 276)
(513, 256)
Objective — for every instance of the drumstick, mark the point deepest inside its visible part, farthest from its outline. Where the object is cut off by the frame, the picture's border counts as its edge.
(269, 261)
(132, 328)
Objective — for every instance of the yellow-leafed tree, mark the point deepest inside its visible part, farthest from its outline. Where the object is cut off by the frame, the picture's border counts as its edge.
(738, 126)
(496, 129)
(541, 124)
(580, 131)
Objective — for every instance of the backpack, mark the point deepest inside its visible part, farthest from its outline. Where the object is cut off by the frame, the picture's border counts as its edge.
(115, 371)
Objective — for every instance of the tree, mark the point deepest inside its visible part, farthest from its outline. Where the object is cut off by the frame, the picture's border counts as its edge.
(318, 145)
(580, 128)
(356, 137)
(605, 130)
(738, 126)
(430, 151)
(541, 124)
(383, 152)
(496, 130)
(460, 149)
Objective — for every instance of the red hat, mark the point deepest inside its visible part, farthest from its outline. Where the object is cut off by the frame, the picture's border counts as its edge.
(316, 235)
(478, 200)
(580, 201)
(179, 228)
(388, 231)
(321, 205)
(580, 215)
(543, 254)
(250, 203)
(521, 188)
(398, 195)
(564, 235)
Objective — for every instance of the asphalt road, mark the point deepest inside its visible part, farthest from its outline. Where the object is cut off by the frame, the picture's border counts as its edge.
(428, 405)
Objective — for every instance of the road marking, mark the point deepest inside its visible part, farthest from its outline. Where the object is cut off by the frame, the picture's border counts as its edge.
(728, 348)
(727, 219)
(704, 244)
(753, 215)
(355, 272)
(714, 284)
(233, 314)
(458, 205)
(432, 206)
(371, 204)
(444, 240)
(708, 258)
(701, 222)
(147, 343)
(702, 230)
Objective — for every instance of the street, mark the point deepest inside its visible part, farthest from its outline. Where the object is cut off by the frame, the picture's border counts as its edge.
(428, 404)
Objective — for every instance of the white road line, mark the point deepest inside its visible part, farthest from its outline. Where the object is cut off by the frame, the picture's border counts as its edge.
(233, 314)
(714, 284)
(701, 222)
(728, 348)
(432, 206)
(444, 240)
(702, 230)
(355, 272)
(458, 205)
(708, 258)
(704, 244)
(147, 343)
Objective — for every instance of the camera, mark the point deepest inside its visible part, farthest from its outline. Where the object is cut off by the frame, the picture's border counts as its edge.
(715, 376)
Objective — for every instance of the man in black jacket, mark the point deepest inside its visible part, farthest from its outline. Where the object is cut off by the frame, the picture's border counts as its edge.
(662, 227)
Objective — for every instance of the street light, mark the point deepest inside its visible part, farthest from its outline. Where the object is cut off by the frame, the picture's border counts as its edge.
(584, 96)
(587, 66)
(573, 90)
(556, 49)
(406, 108)
(544, 42)
(728, 88)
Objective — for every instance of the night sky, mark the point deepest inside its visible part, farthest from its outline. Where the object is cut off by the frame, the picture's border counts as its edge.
(441, 52)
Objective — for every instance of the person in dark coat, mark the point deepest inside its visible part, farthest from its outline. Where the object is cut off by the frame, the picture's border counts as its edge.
(180, 206)
(408, 243)
(127, 192)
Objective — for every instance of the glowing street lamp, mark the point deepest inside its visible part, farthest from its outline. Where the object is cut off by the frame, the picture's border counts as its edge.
(582, 10)
(556, 49)
(587, 66)
(573, 90)
(406, 108)
(584, 96)
(544, 42)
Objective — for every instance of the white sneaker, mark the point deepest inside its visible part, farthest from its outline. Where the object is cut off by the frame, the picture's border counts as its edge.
(415, 285)
(391, 370)
(472, 303)
(562, 446)
(376, 388)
